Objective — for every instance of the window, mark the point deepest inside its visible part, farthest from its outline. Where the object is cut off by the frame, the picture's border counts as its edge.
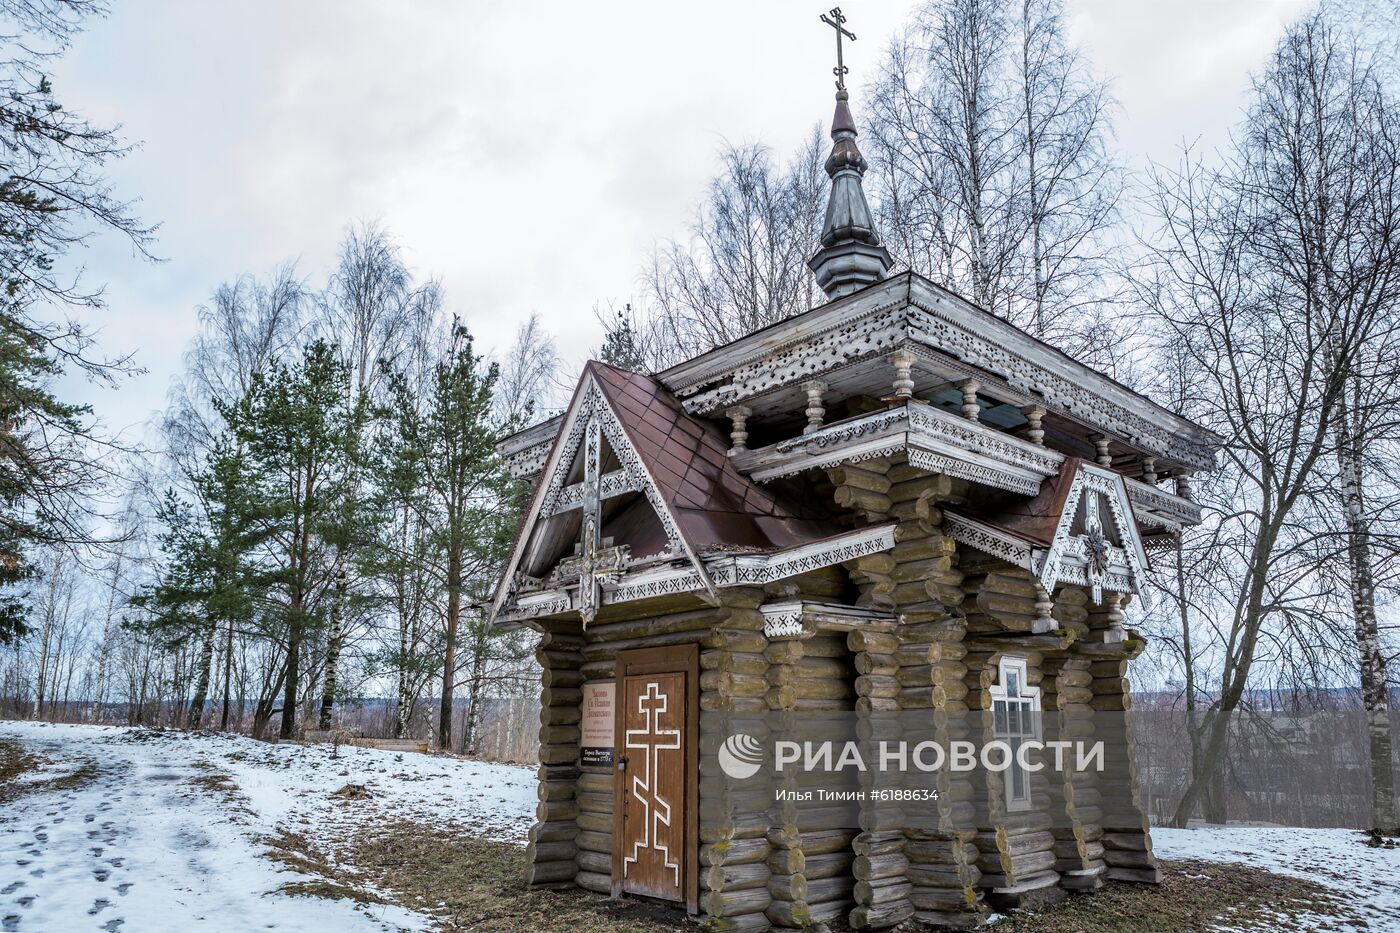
(1015, 720)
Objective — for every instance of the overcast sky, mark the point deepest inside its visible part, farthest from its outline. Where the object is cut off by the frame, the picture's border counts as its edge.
(527, 153)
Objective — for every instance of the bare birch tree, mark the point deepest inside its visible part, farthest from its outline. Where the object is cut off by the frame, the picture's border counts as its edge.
(1274, 271)
(372, 311)
(744, 264)
(992, 169)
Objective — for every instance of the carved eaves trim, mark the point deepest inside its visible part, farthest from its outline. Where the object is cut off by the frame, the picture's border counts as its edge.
(989, 540)
(724, 570)
(942, 327)
(528, 461)
(758, 569)
(1167, 509)
(1067, 560)
(909, 312)
(931, 439)
(800, 618)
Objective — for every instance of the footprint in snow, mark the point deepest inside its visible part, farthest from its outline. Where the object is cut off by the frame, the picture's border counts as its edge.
(96, 851)
(12, 887)
(89, 817)
(98, 906)
(111, 925)
(102, 874)
(115, 862)
(123, 888)
(37, 873)
(25, 901)
(10, 922)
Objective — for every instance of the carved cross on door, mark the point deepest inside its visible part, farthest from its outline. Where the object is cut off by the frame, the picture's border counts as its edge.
(594, 566)
(646, 781)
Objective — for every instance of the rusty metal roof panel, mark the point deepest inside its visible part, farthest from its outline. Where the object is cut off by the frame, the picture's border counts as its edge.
(714, 504)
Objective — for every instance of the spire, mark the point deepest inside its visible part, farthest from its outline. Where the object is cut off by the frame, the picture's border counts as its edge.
(851, 256)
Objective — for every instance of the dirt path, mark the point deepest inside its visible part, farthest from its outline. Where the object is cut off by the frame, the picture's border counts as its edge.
(112, 835)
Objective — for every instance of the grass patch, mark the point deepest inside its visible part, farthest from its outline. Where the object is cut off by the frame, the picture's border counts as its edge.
(16, 761)
(1193, 896)
(474, 884)
(294, 852)
(217, 784)
(331, 891)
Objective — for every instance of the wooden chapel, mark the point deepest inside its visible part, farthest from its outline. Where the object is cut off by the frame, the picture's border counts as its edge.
(894, 501)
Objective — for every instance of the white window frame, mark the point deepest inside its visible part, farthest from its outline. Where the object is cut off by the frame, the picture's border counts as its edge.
(1015, 719)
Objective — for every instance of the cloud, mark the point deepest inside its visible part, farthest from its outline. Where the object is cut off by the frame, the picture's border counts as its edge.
(527, 153)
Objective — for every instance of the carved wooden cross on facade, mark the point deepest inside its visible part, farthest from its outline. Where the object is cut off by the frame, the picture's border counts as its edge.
(594, 565)
(837, 21)
(1095, 545)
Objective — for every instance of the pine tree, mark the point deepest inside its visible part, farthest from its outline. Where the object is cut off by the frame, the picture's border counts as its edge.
(621, 346)
(209, 575)
(297, 426)
(52, 196)
(447, 438)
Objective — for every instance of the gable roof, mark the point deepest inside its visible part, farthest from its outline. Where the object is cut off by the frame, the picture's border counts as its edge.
(1037, 533)
(681, 463)
(713, 504)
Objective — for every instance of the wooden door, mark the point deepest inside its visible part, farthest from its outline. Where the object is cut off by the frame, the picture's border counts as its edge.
(654, 822)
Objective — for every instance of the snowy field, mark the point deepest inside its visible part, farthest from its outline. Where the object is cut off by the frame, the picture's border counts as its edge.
(131, 842)
(1335, 858)
(138, 847)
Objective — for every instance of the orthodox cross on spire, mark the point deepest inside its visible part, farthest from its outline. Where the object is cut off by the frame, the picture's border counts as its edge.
(851, 256)
(837, 21)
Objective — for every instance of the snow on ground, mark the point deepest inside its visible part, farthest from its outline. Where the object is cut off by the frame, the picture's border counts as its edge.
(1335, 858)
(138, 847)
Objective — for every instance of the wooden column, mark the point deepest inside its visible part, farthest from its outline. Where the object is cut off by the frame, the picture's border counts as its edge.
(815, 412)
(734, 847)
(1035, 432)
(787, 882)
(939, 841)
(739, 432)
(1126, 838)
(552, 851)
(1102, 456)
(881, 870)
(903, 385)
(920, 580)
(970, 409)
(1074, 794)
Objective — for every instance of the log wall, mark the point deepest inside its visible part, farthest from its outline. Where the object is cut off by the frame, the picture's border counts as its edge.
(772, 864)
(551, 854)
(1015, 847)
(921, 581)
(1126, 840)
